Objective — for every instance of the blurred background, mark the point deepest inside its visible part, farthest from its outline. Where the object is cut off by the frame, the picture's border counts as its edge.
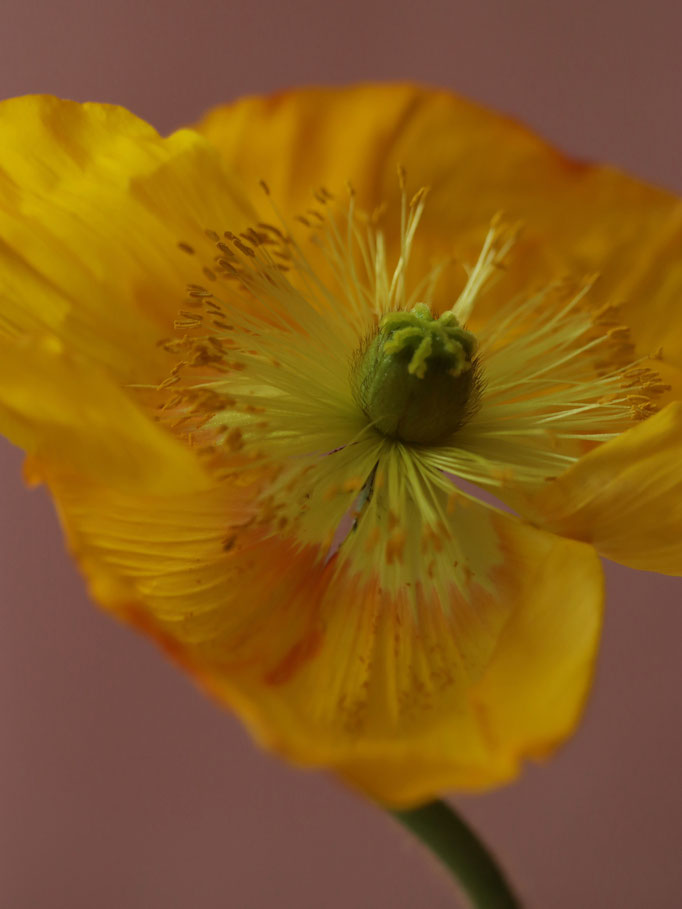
(120, 786)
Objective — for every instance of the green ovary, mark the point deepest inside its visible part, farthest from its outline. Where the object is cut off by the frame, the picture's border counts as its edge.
(416, 380)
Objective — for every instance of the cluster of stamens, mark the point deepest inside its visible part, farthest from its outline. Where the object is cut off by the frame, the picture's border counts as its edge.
(306, 372)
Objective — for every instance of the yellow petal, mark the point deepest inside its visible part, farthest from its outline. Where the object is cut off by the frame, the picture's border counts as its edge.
(579, 218)
(66, 412)
(523, 701)
(93, 205)
(330, 672)
(301, 140)
(626, 496)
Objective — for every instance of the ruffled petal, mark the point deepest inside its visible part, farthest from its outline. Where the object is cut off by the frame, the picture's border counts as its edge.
(93, 207)
(66, 412)
(529, 695)
(625, 498)
(578, 218)
(331, 672)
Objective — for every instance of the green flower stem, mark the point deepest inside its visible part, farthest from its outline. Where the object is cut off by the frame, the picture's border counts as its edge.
(442, 831)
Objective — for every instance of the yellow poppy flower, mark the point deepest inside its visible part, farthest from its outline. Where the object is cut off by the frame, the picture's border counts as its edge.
(264, 401)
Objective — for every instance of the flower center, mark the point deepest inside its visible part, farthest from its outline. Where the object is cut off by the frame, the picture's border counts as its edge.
(416, 378)
(261, 385)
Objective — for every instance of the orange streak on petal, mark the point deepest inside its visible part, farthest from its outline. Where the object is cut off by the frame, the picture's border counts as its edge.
(299, 654)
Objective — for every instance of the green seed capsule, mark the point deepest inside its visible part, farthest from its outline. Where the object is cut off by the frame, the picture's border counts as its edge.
(416, 379)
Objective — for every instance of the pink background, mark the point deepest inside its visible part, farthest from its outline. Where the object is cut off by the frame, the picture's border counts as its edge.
(121, 787)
